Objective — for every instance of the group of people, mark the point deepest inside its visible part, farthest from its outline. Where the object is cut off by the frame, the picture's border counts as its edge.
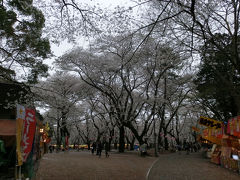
(143, 149)
(188, 147)
(98, 146)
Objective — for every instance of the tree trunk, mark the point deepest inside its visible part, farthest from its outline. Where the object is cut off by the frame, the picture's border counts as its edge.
(121, 139)
(115, 145)
(160, 139)
(132, 144)
(87, 136)
(165, 139)
(88, 144)
(110, 139)
(162, 117)
(58, 137)
(135, 133)
(177, 141)
(155, 139)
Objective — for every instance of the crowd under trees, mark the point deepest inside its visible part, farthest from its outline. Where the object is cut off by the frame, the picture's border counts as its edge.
(150, 70)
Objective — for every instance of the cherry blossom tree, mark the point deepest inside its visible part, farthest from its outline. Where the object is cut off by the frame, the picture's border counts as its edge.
(60, 94)
(133, 88)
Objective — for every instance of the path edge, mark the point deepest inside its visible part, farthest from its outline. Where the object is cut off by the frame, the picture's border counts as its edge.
(151, 168)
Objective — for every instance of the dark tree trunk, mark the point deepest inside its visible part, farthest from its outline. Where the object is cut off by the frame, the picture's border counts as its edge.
(115, 145)
(165, 140)
(132, 144)
(88, 143)
(135, 133)
(110, 139)
(177, 141)
(159, 139)
(121, 139)
(58, 136)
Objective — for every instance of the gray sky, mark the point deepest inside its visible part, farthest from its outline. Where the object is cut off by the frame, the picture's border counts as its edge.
(64, 46)
(58, 50)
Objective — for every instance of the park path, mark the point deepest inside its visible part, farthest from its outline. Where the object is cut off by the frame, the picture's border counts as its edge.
(188, 167)
(85, 166)
(130, 166)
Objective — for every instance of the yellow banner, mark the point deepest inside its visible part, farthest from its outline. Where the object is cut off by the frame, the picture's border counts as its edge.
(19, 128)
(19, 124)
(210, 123)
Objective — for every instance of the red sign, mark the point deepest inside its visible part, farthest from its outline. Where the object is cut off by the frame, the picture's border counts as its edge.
(233, 127)
(28, 133)
(217, 133)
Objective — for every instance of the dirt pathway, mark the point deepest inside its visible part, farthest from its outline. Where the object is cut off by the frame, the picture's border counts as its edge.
(83, 165)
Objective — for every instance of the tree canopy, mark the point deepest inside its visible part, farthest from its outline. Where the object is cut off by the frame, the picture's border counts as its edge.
(22, 47)
(217, 80)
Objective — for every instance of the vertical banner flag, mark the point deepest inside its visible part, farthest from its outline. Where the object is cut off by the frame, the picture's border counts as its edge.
(19, 129)
(28, 133)
(66, 141)
(233, 126)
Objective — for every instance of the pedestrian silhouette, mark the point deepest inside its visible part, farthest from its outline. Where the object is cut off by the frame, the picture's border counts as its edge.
(99, 148)
(107, 149)
(93, 147)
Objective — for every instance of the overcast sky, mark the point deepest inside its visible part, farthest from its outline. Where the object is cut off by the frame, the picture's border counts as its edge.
(58, 50)
(64, 46)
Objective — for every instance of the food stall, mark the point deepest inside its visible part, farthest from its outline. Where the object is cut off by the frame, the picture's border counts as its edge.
(226, 142)
(212, 135)
(230, 157)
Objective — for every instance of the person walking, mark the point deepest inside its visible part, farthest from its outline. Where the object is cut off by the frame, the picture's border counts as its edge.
(93, 147)
(107, 149)
(99, 148)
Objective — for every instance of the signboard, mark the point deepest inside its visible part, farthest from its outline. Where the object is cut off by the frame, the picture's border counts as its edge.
(210, 123)
(210, 135)
(28, 133)
(233, 126)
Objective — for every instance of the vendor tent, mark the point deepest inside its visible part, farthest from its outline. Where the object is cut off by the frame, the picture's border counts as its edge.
(7, 127)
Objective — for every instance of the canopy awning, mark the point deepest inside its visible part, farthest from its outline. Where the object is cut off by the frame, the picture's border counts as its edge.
(7, 127)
